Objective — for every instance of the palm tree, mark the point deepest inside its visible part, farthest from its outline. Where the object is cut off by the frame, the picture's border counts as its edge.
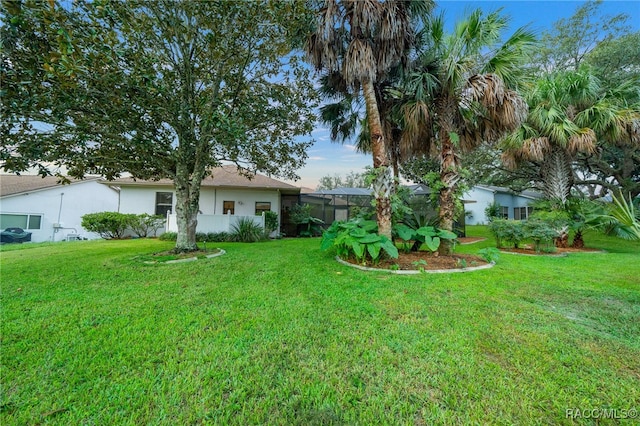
(361, 40)
(569, 114)
(458, 96)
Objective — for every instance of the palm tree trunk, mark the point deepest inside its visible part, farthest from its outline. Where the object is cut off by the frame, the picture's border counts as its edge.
(557, 176)
(447, 201)
(449, 176)
(383, 185)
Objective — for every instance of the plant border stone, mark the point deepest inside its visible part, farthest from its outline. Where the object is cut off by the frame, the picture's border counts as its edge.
(413, 272)
(188, 259)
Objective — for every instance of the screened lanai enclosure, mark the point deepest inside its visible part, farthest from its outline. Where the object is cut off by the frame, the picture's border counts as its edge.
(346, 203)
(338, 204)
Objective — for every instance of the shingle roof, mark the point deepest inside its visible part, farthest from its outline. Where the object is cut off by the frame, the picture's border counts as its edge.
(18, 184)
(225, 176)
(525, 193)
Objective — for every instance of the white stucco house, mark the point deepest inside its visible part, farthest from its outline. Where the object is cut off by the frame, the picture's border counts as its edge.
(225, 196)
(49, 210)
(513, 205)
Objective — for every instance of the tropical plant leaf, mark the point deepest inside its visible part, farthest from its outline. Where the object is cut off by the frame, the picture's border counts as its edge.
(388, 246)
(404, 232)
(426, 231)
(432, 243)
(446, 235)
(374, 251)
(369, 238)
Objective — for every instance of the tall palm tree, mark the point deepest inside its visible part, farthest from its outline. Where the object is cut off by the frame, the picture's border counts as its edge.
(361, 40)
(459, 96)
(569, 114)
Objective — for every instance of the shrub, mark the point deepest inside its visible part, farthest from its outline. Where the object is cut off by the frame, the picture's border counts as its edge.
(540, 232)
(301, 216)
(358, 238)
(428, 236)
(145, 224)
(270, 221)
(493, 211)
(168, 236)
(109, 225)
(506, 230)
(218, 237)
(490, 254)
(247, 231)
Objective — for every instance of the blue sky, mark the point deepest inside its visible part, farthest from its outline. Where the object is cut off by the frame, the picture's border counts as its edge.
(327, 158)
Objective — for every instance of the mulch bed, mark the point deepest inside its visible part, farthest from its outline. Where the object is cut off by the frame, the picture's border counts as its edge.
(412, 261)
(558, 251)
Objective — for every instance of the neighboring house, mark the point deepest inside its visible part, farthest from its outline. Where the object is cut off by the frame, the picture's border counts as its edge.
(513, 205)
(49, 210)
(225, 196)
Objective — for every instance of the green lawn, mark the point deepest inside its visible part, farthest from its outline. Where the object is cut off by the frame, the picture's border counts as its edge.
(280, 333)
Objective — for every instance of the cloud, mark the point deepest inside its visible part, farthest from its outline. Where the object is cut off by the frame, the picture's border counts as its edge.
(316, 158)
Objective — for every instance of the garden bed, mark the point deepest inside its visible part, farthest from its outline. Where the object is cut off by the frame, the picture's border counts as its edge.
(170, 257)
(557, 251)
(423, 262)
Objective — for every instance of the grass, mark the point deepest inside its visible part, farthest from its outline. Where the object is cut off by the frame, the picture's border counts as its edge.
(279, 333)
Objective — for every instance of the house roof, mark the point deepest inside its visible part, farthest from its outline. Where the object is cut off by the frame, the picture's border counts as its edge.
(527, 194)
(19, 184)
(343, 191)
(225, 176)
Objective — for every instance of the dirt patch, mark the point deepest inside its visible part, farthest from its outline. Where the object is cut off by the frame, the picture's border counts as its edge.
(416, 261)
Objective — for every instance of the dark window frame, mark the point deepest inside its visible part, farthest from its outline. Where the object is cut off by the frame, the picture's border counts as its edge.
(162, 207)
(225, 207)
(258, 211)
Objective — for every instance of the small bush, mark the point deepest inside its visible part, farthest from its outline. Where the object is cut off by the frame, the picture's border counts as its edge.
(247, 231)
(541, 232)
(506, 230)
(109, 225)
(490, 254)
(218, 237)
(270, 221)
(168, 236)
(145, 224)
(358, 238)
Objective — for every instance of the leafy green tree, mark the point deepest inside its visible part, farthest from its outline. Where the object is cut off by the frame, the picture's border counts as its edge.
(571, 40)
(351, 180)
(458, 97)
(161, 89)
(359, 41)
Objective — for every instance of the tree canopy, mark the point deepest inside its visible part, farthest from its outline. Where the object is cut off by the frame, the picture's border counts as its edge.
(159, 89)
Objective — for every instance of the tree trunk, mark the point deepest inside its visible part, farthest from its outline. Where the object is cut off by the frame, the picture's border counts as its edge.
(383, 185)
(578, 240)
(449, 177)
(187, 205)
(557, 176)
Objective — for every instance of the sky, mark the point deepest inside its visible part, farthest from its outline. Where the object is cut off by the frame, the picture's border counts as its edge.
(327, 158)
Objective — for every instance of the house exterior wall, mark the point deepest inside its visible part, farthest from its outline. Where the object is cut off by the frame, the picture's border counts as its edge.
(482, 197)
(70, 202)
(142, 199)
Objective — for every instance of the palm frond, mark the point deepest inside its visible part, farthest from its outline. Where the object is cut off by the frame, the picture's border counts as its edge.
(359, 63)
(583, 141)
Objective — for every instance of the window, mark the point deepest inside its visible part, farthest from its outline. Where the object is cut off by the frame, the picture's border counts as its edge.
(522, 213)
(504, 212)
(24, 221)
(164, 202)
(228, 207)
(262, 206)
